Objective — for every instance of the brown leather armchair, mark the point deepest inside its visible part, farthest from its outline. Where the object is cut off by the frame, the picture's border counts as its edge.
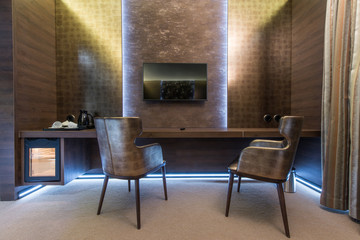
(121, 158)
(269, 161)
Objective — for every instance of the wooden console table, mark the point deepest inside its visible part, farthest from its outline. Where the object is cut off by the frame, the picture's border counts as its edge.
(174, 133)
(183, 149)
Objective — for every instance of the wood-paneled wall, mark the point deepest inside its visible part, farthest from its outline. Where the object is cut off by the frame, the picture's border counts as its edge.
(7, 148)
(308, 23)
(34, 64)
(34, 69)
(171, 31)
(259, 61)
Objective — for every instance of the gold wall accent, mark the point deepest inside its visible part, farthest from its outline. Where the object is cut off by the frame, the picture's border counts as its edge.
(89, 57)
(259, 61)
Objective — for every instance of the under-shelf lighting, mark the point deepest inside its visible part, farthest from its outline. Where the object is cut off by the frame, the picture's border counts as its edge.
(198, 176)
(171, 176)
(309, 184)
(29, 190)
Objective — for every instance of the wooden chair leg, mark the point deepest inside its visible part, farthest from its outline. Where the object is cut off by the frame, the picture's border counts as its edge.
(137, 194)
(239, 182)
(283, 208)
(129, 186)
(163, 171)
(231, 182)
(106, 179)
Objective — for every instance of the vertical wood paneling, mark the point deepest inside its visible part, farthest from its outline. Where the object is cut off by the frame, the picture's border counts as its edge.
(34, 67)
(7, 174)
(259, 61)
(171, 31)
(308, 22)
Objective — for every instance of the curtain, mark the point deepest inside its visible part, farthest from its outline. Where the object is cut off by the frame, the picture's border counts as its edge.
(341, 107)
(354, 98)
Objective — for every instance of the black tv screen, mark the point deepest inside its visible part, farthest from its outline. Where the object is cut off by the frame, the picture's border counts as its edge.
(175, 81)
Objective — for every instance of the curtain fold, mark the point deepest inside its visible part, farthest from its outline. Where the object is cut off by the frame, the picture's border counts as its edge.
(341, 108)
(354, 99)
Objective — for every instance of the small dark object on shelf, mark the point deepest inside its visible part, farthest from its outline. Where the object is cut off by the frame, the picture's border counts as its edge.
(86, 120)
(70, 118)
(182, 128)
(267, 118)
(277, 117)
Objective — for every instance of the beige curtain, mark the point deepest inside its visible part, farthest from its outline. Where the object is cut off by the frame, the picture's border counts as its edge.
(341, 107)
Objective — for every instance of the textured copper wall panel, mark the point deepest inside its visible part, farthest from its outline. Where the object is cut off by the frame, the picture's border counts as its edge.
(184, 31)
(89, 62)
(259, 61)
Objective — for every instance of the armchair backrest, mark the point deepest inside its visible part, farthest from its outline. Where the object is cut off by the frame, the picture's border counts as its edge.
(116, 138)
(273, 159)
(290, 127)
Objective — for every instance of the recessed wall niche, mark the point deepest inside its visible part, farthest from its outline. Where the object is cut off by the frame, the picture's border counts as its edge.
(89, 57)
(259, 61)
(175, 31)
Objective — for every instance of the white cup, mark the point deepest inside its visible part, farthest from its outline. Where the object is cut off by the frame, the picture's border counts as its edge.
(57, 124)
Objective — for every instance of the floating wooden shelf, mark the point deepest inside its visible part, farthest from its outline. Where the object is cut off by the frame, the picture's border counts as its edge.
(175, 133)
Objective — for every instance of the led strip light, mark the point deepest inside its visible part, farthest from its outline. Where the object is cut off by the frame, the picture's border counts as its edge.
(29, 190)
(172, 176)
(309, 184)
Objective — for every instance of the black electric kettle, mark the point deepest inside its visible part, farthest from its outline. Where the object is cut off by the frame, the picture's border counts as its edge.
(85, 120)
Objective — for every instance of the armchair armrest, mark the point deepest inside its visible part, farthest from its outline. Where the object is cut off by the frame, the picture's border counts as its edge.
(267, 143)
(152, 155)
(266, 162)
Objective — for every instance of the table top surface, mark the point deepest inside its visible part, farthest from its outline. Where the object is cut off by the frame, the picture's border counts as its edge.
(173, 133)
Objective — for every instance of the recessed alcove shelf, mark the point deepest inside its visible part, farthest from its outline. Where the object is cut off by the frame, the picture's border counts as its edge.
(191, 150)
(175, 133)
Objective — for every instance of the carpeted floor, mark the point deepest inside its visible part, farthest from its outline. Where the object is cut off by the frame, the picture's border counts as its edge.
(195, 210)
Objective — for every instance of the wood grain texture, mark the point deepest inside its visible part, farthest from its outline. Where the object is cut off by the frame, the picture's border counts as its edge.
(259, 61)
(308, 23)
(173, 31)
(188, 155)
(76, 158)
(214, 155)
(34, 68)
(7, 126)
(174, 133)
(198, 150)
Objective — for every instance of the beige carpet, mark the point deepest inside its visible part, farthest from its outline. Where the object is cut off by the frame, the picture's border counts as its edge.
(195, 210)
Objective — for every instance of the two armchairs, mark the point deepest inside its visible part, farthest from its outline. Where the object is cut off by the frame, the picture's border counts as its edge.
(264, 160)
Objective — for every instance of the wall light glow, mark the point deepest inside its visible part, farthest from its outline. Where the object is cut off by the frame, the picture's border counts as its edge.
(225, 97)
(125, 57)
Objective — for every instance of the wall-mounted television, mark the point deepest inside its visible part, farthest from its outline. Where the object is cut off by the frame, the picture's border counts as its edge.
(175, 81)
